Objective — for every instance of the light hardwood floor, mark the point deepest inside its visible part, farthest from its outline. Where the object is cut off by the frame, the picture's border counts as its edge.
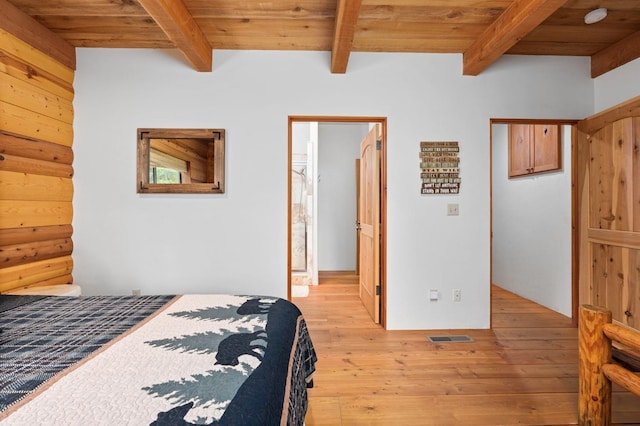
(523, 371)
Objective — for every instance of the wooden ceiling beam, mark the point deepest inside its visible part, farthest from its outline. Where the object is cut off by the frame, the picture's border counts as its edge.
(594, 123)
(618, 54)
(23, 26)
(347, 14)
(518, 20)
(180, 27)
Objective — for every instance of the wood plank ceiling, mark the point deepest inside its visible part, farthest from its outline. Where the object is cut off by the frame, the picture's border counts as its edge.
(480, 30)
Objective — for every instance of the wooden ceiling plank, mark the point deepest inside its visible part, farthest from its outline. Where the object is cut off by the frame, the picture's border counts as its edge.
(178, 24)
(618, 54)
(281, 9)
(23, 26)
(518, 20)
(346, 19)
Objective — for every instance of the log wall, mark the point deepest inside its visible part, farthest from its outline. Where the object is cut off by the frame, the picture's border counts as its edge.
(609, 191)
(36, 156)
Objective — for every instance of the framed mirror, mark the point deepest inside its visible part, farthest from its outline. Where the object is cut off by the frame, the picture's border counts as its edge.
(180, 161)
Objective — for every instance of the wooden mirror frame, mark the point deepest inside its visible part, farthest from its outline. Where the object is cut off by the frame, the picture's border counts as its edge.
(217, 151)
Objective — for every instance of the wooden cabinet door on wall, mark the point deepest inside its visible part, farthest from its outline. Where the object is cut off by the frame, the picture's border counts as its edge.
(534, 148)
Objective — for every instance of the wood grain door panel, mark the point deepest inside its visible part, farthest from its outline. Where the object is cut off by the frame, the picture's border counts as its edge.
(369, 210)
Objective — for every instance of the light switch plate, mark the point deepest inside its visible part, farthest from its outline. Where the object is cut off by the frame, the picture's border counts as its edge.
(453, 210)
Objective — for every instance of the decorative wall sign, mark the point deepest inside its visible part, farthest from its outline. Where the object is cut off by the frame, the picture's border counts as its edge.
(440, 167)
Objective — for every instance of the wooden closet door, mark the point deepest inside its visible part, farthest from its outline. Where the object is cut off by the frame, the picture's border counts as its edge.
(614, 216)
(546, 147)
(520, 154)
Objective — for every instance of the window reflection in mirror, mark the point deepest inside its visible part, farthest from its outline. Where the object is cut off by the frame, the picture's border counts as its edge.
(181, 160)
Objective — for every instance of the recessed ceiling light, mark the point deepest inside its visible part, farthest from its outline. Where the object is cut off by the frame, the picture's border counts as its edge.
(595, 15)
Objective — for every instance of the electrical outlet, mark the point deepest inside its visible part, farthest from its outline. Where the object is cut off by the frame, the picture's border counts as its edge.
(453, 209)
(433, 294)
(135, 292)
(457, 295)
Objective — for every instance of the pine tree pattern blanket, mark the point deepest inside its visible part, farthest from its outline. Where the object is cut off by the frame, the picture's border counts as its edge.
(199, 359)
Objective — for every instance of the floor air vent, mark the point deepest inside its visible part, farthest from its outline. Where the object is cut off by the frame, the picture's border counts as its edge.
(451, 338)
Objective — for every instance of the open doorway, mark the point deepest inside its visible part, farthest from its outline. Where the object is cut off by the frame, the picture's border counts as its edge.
(323, 227)
(532, 237)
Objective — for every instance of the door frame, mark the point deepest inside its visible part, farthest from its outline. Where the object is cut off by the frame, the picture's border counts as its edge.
(383, 195)
(574, 207)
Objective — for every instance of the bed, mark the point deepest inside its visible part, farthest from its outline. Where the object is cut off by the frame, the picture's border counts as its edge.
(153, 360)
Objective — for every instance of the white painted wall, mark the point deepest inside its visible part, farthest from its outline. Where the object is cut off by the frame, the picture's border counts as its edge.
(237, 242)
(338, 148)
(299, 137)
(532, 228)
(617, 86)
